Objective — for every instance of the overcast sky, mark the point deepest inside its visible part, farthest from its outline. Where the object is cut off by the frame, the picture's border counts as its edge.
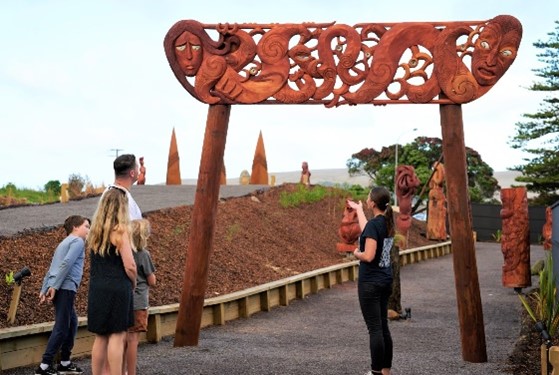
(81, 81)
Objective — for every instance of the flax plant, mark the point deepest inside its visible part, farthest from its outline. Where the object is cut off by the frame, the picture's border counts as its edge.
(546, 307)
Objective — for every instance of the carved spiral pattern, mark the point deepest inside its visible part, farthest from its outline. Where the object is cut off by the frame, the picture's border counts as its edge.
(335, 64)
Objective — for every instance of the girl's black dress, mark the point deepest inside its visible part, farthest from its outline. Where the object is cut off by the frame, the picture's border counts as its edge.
(109, 304)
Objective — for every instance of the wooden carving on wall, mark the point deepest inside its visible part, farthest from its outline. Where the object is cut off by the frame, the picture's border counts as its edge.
(335, 64)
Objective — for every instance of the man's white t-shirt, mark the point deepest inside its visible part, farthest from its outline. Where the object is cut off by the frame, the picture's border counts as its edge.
(133, 209)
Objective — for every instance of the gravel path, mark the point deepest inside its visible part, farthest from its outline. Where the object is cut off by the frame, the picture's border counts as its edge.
(324, 334)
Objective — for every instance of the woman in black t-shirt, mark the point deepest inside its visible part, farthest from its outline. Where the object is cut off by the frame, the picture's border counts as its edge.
(375, 275)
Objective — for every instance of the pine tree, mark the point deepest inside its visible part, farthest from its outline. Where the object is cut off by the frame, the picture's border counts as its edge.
(539, 135)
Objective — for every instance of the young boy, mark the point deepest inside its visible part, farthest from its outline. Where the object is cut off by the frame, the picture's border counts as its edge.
(59, 287)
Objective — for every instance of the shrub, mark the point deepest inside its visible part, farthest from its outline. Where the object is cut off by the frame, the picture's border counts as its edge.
(302, 195)
(545, 304)
(76, 184)
(53, 186)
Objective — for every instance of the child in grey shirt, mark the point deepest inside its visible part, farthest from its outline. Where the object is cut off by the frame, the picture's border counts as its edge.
(145, 280)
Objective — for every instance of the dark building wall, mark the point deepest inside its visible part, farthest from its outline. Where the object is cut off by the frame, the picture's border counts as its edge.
(486, 220)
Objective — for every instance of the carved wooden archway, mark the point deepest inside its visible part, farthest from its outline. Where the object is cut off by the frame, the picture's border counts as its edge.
(445, 63)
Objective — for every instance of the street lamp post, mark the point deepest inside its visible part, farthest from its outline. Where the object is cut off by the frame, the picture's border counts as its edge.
(396, 162)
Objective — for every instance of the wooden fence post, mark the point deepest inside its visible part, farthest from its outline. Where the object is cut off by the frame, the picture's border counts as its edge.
(14, 304)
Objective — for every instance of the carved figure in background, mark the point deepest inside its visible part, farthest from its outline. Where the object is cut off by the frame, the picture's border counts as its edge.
(305, 174)
(406, 185)
(244, 178)
(546, 230)
(515, 238)
(436, 215)
(142, 174)
(302, 63)
(349, 230)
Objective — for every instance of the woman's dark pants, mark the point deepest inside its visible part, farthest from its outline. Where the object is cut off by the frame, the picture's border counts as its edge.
(373, 299)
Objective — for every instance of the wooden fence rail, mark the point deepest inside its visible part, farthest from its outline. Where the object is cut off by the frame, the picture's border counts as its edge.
(24, 345)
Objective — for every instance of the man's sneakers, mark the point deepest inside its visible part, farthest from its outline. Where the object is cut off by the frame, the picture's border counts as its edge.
(48, 371)
(71, 369)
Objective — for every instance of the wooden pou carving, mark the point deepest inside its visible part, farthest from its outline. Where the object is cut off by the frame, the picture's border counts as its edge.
(436, 216)
(406, 185)
(335, 64)
(349, 231)
(515, 238)
(547, 229)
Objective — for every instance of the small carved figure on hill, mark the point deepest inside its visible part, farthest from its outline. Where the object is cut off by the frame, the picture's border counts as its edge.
(244, 178)
(142, 174)
(305, 174)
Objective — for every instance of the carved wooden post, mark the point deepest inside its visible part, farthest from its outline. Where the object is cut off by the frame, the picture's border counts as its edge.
(515, 238)
(436, 214)
(468, 298)
(200, 241)
(547, 229)
(406, 185)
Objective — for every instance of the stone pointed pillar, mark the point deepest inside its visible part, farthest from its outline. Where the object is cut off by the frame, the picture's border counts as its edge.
(173, 167)
(223, 176)
(259, 175)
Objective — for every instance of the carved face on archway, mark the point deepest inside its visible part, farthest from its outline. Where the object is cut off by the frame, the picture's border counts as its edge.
(495, 50)
(188, 49)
